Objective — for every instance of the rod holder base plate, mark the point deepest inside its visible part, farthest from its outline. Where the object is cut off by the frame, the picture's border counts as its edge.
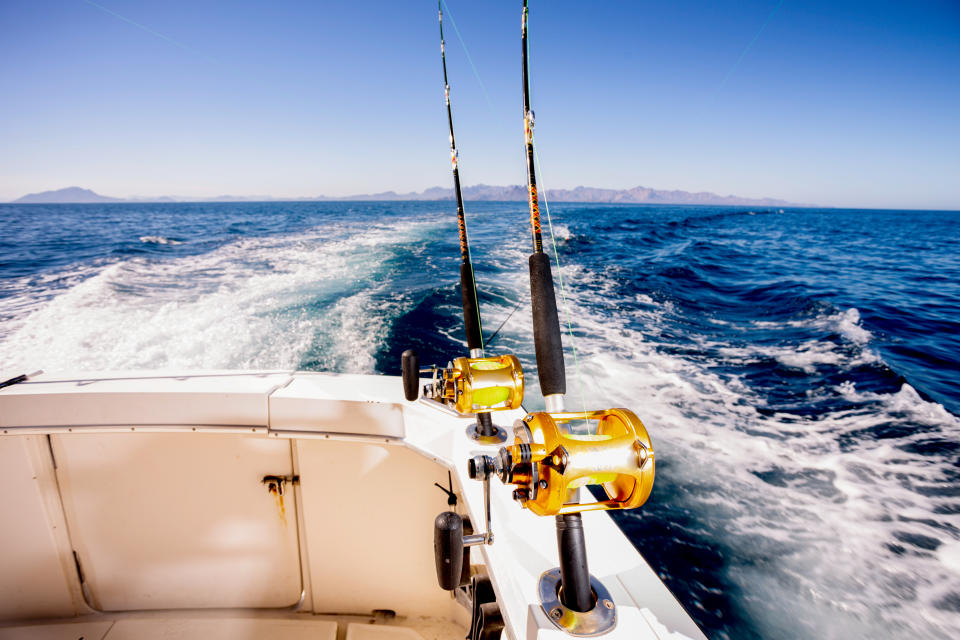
(599, 620)
(499, 435)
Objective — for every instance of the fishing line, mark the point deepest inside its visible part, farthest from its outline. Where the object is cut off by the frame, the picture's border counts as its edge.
(152, 32)
(463, 44)
(509, 315)
(747, 48)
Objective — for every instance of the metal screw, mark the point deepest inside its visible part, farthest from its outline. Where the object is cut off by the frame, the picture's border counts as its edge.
(556, 612)
(608, 604)
(543, 484)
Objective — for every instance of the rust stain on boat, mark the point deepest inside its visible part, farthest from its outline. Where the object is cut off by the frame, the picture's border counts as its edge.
(277, 492)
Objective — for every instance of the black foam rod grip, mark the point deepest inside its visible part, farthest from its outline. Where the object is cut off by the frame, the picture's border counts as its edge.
(410, 369)
(546, 327)
(448, 549)
(471, 313)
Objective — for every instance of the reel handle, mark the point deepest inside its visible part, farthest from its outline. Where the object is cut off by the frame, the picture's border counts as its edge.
(449, 542)
(451, 549)
(410, 369)
(448, 549)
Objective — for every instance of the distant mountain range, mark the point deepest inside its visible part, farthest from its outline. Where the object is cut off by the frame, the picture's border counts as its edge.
(641, 195)
(580, 194)
(70, 194)
(78, 195)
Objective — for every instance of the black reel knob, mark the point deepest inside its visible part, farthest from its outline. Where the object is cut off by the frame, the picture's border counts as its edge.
(410, 368)
(448, 549)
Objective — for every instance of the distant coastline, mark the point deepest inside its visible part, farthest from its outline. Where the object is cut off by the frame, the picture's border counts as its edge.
(480, 192)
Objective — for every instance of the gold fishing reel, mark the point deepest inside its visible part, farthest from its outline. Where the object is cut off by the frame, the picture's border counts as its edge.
(548, 466)
(477, 385)
(468, 385)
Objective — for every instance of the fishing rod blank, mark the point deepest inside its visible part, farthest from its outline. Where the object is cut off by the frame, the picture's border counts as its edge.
(546, 321)
(548, 463)
(468, 285)
(574, 572)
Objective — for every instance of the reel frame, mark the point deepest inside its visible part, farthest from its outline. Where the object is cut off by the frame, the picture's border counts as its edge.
(548, 466)
(479, 385)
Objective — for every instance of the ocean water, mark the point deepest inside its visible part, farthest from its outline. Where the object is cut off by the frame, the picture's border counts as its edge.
(798, 370)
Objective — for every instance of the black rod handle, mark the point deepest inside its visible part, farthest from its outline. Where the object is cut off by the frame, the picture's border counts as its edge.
(410, 369)
(575, 591)
(471, 313)
(448, 549)
(546, 327)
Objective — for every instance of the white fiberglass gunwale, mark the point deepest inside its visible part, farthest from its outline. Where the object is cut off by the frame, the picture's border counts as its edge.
(118, 464)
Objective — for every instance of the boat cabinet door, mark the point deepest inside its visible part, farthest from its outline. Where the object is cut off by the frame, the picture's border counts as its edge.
(180, 520)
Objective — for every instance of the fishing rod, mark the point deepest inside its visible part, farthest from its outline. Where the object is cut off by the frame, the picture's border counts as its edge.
(546, 320)
(574, 573)
(477, 384)
(468, 285)
(547, 463)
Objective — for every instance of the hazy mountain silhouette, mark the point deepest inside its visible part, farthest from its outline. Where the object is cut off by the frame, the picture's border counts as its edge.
(510, 193)
(70, 194)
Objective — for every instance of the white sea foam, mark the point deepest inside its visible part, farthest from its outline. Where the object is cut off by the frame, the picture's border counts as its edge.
(242, 306)
(158, 240)
(846, 323)
(832, 516)
(805, 357)
(561, 233)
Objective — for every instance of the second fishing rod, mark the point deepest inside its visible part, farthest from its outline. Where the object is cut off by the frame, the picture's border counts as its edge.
(472, 325)
(478, 384)
(468, 285)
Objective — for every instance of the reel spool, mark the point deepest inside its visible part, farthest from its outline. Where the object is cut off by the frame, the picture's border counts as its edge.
(547, 465)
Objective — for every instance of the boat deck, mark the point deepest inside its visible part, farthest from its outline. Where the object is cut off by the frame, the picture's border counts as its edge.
(235, 626)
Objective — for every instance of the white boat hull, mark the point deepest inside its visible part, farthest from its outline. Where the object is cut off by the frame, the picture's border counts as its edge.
(138, 501)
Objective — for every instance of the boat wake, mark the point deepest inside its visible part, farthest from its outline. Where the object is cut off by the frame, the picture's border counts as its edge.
(320, 300)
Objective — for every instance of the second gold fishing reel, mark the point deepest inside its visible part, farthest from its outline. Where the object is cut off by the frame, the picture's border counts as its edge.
(547, 466)
(470, 386)
(475, 385)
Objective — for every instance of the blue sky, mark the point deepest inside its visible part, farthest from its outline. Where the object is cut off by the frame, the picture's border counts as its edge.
(836, 103)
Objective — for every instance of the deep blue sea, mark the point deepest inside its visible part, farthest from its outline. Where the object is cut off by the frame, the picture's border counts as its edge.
(798, 370)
